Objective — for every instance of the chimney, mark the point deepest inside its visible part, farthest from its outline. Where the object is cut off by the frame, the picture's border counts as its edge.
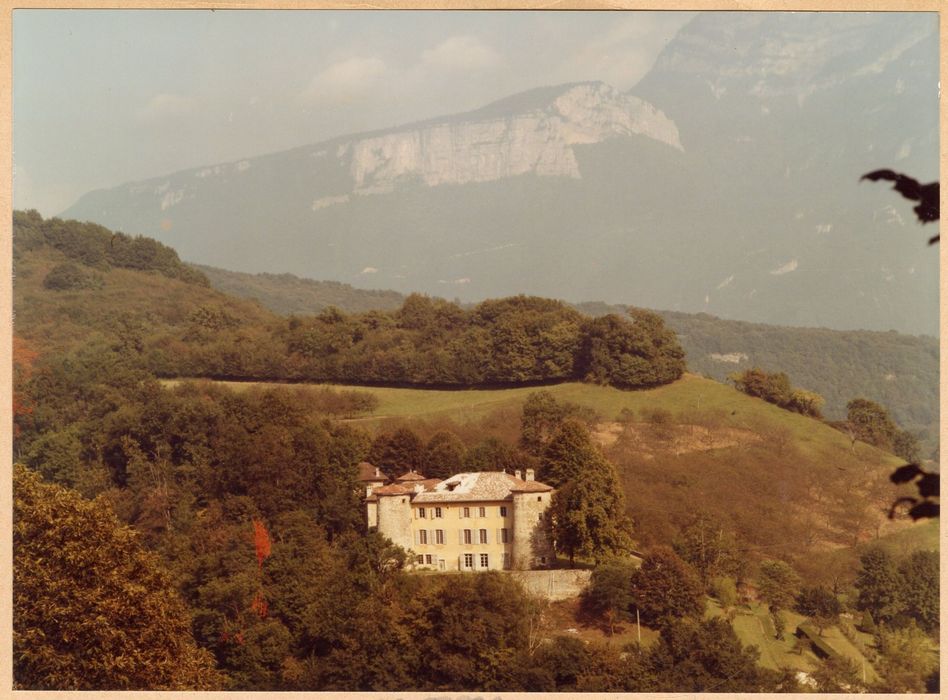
(529, 476)
(377, 473)
(518, 474)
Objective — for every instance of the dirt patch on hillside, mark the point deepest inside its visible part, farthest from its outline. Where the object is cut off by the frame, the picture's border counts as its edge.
(679, 438)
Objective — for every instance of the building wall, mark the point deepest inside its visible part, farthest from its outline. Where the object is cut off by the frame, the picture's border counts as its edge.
(531, 548)
(394, 519)
(372, 513)
(450, 556)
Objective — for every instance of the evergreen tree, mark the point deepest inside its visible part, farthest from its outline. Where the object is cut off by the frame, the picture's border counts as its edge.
(880, 586)
(569, 453)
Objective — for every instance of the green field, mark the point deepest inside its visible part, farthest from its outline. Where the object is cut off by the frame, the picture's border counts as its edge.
(691, 395)
(754, 626)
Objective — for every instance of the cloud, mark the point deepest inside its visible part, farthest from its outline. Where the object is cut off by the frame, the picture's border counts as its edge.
(166, 105)
(369, 270)
(624, 53)
(461, 53)
(345, 81)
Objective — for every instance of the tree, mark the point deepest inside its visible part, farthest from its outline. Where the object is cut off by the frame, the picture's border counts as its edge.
(871, 423)
(694, 655)
(708, 547)
(587, 515)
(777, 584)
(838, 674)
(634, 353)
(568, 454)
(399, 452)
(820, 605)
(665, 588)
(906, 659)
(444, 455)
(920, 589)
(541, 416)
(91, 609)
(880, 586)
(609, 593)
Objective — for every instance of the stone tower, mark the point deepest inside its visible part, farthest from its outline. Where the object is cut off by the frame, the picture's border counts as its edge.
(531, 546)
(394, 514)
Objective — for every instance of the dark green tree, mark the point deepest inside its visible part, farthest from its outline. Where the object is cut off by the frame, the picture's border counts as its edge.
(920, 589)
(568, 454)
(587, 515)
(444, 455)
(820, 605)
(609, 593)
(397, 452)
(871, 423)
(666, 588)
(880, 586)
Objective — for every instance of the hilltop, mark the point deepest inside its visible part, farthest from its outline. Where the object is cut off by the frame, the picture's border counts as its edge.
(899, 371)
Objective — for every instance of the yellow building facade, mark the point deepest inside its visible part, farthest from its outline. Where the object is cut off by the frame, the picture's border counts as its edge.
(469, 522)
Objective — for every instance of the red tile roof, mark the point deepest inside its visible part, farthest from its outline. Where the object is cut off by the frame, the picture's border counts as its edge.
(393, 490)
(410, 476)
(367, 472)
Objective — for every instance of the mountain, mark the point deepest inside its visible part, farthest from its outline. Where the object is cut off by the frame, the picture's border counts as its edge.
(291, 295)
(726, 181)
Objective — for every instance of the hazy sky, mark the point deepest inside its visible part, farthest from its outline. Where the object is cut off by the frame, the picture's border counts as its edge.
(103, 97)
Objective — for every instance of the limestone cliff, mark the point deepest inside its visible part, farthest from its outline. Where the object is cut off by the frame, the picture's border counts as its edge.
(460, 150)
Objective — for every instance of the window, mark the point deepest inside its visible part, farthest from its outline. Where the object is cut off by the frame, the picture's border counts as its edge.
(539, 498)
(441, 564)
(467, 513)
(503, 535)
(503, 511)
(421, 512)
(467, 537)
(483, 561)
(427, 559)
(482, 512)
(468, 561)
(422, 537)
(506, 560)
(420, 559)
(439, 536)
(483, 537)
(438, 513)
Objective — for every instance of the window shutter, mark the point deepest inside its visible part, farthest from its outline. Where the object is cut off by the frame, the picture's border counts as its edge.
(431, 537)
(415, 533)
(500, 539)
(486, 536)
(460, 536)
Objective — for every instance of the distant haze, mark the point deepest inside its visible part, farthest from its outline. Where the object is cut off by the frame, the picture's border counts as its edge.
(104, 97)
(706, 162)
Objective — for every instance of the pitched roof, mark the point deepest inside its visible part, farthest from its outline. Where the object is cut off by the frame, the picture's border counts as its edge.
(478, 486)
(410, 476)
(369, 472)
(393, 490)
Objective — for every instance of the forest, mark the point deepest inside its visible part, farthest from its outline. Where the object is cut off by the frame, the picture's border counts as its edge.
(198, 537)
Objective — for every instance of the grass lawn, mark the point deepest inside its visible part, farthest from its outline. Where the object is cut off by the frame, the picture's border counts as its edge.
(754, 626)
(690, 394)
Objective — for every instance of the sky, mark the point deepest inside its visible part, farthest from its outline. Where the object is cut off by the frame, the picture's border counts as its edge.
(103, 97)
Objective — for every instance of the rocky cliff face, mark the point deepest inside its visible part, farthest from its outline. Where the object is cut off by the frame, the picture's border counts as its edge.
(538, 141)
(726, 181)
